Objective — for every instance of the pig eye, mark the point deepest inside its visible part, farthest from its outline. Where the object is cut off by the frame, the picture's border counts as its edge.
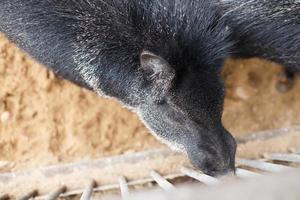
(161, 101)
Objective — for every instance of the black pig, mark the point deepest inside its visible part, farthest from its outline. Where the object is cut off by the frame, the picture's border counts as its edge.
(162, 59)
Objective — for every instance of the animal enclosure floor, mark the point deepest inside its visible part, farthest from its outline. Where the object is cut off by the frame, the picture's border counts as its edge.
(45, 120)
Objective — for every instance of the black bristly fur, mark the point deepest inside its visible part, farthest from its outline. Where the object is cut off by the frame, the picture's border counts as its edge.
(266, 29)
(181, 44)
(110, 33)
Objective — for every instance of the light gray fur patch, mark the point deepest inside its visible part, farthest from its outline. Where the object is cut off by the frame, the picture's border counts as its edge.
(173, 144)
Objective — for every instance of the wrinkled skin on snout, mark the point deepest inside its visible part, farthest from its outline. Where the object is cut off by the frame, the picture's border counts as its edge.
(211, 150)
(186, 115)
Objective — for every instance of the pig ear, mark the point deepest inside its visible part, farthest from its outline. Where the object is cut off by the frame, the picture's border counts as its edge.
(158, 71)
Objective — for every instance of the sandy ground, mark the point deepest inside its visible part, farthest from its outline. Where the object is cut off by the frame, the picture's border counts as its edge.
(44, 120)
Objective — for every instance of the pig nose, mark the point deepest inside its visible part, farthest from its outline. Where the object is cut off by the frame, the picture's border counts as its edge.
(221, 173)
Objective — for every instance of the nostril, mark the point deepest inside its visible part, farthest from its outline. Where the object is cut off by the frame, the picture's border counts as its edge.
(220, 173)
